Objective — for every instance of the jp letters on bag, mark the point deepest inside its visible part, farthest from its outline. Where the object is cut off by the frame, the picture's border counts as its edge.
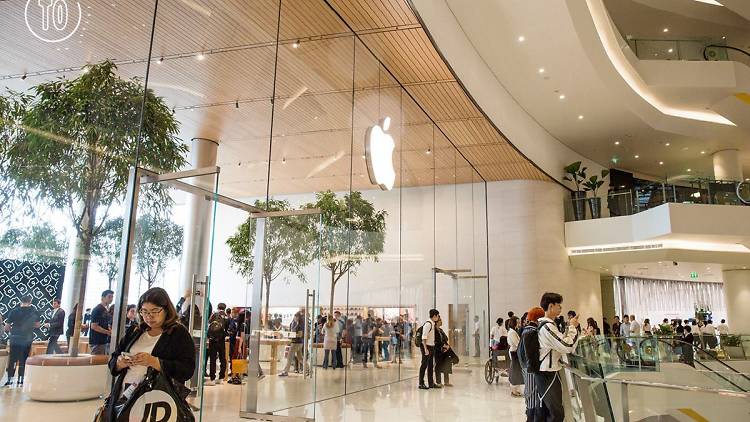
(154, 406)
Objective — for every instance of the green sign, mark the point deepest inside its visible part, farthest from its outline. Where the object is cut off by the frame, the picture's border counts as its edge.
(693, 274)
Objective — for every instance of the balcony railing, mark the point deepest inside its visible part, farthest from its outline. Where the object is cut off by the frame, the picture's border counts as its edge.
(640, 198)
(696, 50)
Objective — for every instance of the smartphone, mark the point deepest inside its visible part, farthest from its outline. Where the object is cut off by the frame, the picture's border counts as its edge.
(127, 355)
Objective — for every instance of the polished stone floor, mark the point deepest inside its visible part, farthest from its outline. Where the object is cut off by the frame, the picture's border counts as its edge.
(470, 399)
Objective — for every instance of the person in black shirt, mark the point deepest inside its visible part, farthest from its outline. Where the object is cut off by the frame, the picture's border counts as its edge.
(21, 323)
(55, 326)
(607, 330)
(217, 334)
(131, 317)
(101, 322)
(86, 322)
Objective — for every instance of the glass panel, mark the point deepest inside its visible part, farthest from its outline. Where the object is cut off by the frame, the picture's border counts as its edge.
(63, 173)
(289, 309)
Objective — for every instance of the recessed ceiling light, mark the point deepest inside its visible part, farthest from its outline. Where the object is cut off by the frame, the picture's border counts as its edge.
(200, 56)
(295, 44)
(283, 160)
(636, 156)
(521, 38)
(160, 61)
(667, 144)
(670, 50)
(689, 170)
(703, 152)
(661, 163)
(580, 117)
(665, 30)
(541, 70)
(724, 37)
(617, 142)
(562, 96)
(429, 151)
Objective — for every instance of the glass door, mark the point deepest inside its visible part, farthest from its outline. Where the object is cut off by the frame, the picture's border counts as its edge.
(283, 340)
(167, 229)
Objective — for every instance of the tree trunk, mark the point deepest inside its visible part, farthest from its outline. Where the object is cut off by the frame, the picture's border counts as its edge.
(82, 257)
(267, 285)
(333, 290)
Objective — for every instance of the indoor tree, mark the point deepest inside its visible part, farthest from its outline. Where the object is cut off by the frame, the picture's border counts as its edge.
(106, 249)
(77, 143)
(157, 241)
(40, 243)
(11, 111)
(352, 231)
(290, 246)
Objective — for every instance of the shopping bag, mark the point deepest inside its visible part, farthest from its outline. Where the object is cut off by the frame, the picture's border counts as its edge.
(154, 399)
(239, 366)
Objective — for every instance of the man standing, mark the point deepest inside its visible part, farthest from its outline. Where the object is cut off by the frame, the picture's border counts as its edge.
(553, 348)
(427, 348)
(723, 328)
(635, 327)
(101, 325)
(477, 335)
(55, 327)
(341, 321)
(21, 323)
(217, 334)
(296, 347)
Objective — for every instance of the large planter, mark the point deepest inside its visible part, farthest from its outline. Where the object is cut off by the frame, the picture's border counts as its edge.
(60, 378)
(595, 207)
(734, 352)
(579, 204)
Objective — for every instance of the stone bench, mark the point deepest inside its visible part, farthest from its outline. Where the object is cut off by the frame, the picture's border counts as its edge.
(59, 378)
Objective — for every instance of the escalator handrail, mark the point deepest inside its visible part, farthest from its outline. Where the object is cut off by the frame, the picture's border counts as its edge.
(705, 49)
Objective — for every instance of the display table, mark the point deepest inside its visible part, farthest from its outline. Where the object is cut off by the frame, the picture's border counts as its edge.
(320, 353)
(376, 352)
(59, 378)
(274, 355)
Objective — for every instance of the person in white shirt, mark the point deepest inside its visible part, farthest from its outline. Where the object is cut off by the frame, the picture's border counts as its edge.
(635, 327)
(709, 335)
(553, 348)
(428, 351)
(723, 328)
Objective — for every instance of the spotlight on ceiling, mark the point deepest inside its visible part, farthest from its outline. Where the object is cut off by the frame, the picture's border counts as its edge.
(160, 61)
(667, 144)
(429, 151)
(580, 117)
(665, 30)
(617, 142)
(636, 156)
(541, 70)
(200, 56)
(521, 38)
(562, 96)
(689, 170)
(295, 44)
(661, 163)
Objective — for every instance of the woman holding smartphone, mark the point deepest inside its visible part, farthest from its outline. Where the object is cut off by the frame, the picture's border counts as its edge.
(158, 341)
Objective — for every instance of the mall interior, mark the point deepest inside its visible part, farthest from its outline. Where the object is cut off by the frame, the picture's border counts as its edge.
(376, 158)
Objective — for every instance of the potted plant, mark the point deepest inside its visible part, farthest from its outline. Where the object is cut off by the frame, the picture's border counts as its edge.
(574, 173)
(732, 345)
(593, 184)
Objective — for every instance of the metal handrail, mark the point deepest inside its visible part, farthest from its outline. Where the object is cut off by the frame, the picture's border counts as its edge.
(720, 391)
(705, 56)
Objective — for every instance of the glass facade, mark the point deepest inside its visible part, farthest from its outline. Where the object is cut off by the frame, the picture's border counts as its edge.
(283, 98)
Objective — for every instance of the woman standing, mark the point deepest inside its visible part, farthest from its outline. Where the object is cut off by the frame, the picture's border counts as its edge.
(159, 341)
(647, 327)
(444, 357)
(330, 341)
(515, 377)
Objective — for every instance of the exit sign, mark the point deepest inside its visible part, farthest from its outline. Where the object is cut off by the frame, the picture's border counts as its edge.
(693, 274)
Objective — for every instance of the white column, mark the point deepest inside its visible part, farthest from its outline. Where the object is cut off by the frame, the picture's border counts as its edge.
(737, 299)
(727, 165)
(196, 241)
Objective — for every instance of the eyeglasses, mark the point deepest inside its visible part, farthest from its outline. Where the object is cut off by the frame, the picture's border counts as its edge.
(144, 313)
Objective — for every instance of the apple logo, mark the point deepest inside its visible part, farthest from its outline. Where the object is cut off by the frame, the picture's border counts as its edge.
(379, 146)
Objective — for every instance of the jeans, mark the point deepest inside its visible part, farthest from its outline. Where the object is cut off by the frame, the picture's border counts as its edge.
(366, 347)
(339, 356)
(100, 349)
(52, 347)
(428, 365)
(295, 352)
(384, 348)
(332, 353)
(217, 348)
(18, 354)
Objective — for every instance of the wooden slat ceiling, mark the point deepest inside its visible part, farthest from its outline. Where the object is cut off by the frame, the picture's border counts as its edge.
(226, 93)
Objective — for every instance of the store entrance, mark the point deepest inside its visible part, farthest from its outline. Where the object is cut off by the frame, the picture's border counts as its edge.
(462, 296)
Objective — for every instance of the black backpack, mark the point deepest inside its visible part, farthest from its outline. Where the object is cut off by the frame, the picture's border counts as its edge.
(528, 348)
(418, 334)
(216, 329)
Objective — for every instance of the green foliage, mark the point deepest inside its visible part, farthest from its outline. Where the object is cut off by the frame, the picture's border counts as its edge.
(40, 243)
(664, 330)
(157, 241)
(594, 182)
(731, 340)
(11, 108)
(78, 141)
(290, 246)
(352, 231)
(576, 174)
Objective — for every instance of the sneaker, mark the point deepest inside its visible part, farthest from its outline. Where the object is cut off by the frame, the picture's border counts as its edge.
(437, 386)
(209, 383)
(219, 381)
(423, 387)
(9, 383)
(447, 384)
(284, 374)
